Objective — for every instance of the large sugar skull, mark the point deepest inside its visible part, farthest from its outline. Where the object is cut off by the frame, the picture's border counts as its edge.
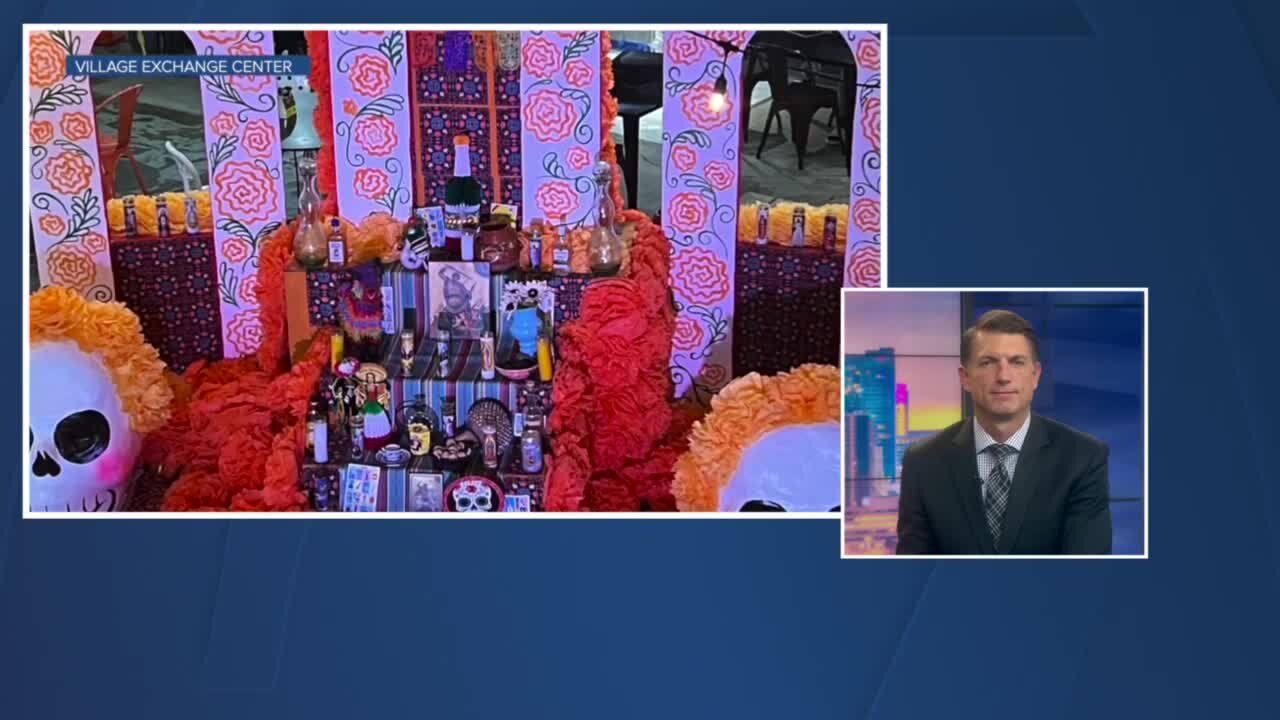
(96, 386)
(769, 444)
(475, 494)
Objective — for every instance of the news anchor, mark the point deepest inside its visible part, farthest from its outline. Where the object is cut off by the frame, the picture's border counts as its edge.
(1006, 481)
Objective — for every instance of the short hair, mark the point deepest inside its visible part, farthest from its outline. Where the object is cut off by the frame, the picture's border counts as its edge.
(1004, 322)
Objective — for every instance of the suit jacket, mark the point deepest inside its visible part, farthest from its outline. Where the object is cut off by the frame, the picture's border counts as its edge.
(1059, 502)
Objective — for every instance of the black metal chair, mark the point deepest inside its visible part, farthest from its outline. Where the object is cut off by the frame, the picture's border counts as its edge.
(800, 100)
(637, 85)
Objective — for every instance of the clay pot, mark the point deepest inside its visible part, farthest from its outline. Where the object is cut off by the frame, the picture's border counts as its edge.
(498, 244)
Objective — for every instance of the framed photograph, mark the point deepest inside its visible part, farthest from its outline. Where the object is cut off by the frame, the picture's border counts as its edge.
(360, 488)
(425, 492)
(460, 291)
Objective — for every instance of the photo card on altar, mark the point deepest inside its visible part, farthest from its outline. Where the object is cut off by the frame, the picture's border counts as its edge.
(460, 291)
(425, 492)
(360, 488)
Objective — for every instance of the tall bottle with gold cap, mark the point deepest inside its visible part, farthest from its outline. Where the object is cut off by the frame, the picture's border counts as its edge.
(463, 196)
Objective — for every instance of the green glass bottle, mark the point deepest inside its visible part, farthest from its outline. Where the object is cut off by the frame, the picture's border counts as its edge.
(463, 197)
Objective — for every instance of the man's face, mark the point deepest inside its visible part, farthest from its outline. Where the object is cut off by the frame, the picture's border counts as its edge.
(1000, 375)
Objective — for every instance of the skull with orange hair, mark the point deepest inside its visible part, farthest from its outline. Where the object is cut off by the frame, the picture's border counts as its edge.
(96, 388)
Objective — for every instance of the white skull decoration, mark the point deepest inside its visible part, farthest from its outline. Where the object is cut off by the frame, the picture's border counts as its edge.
(472, 496)
(96, 387)
(82, 448)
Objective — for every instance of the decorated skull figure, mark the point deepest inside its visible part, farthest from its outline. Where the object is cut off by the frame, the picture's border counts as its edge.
(472, 496)
(96, 387)
(82, 448)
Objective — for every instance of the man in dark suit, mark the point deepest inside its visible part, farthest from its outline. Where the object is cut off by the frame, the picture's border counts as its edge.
(1006, 481)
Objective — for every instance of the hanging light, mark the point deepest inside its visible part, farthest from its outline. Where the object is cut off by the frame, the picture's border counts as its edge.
(719, 94)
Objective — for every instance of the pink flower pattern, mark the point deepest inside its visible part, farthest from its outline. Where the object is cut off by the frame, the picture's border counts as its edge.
(224, 123)
(866, 215)
(245, 332)
(246, 192)
(868, 53)
(557, 198)
(370, 74)
(249, 83)
(720, 175)
(259, 138)
(578, 158)
(871, 123)
(700, 276)
(540, 58)
(690, 212)
(684, 157)
(376, 135)
(549, 115)
(578, 73)
(696, 104)
(372, 183)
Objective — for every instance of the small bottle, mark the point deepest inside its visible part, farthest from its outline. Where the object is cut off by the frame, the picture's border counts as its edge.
(489, 444)
(320, 435)
(313, 416)
(535, 248)
(130, 217)
(193, 216)
(487, 358)
(324, 487)
(544, 358)
(606, 247)
(531, 450)
(337, 348)
(337, 245)
(561, 252)
(762, 225)
(356, 421)
(468, 243)
(517, 424)
(829, 227)
(407, 343)
(447, 412)
(797, 227)
(162, 217)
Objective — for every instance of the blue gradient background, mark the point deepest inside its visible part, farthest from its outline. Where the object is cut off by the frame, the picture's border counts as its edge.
(1049, 142)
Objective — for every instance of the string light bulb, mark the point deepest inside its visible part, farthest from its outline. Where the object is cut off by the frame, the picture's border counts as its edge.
(719, 94)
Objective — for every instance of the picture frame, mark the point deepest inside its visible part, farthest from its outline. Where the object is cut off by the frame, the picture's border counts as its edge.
(462, 290)
(424, 492)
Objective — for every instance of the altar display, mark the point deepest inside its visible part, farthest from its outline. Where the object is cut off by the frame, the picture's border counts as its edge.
(462, 316)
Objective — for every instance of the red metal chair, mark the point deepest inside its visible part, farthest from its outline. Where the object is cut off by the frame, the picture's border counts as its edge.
(111, 148)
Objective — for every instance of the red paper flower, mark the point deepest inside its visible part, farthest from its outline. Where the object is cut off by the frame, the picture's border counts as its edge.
(248, 290)
(259, 138)
(685, 48)
(71, 266)
(376, 134)
(41, 132)
(69, 172)
(236, 249)
(689, 334)
(76, 126)
(871, 122)
(540, 58)
(556, 198)
(578, 157)
(370, 74)
(221, 37)
(696, 103)
(866, 215)
(349, 106)
(689, 212)
(245, 332)
(684, 157)
(372, 183)
(700, 276)
(549, 115)
(95, 243)
(719, 174)
(868, 53)
(224, 123)
(864, 266)
(248, 83)
(246, 192)
(713, 374)
(52, 225)
(578, 73)
(48, 61)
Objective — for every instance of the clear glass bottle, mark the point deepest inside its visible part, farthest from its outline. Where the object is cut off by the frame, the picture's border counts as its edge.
(606, 248)
(310, 244)
(531, 450)
(337, 245)
(561, 251)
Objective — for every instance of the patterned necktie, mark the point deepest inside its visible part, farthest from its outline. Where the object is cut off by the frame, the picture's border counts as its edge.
(995, 491)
